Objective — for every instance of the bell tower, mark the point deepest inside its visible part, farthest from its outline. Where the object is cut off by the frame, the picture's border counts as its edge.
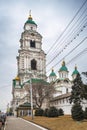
(31, 58)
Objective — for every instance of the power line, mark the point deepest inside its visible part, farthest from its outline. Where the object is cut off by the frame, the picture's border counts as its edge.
(67, 44)
(79, 54)
(76, 25)
(74, 37)
(80, 24)
(70, 52)
(66, 27)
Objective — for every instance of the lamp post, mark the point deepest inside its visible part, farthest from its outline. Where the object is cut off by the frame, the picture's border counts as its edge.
(31, 98)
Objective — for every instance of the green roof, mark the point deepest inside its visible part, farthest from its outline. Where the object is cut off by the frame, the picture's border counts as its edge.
(63, 68)
(75, 71)
(52, 73)
(30, 21)
(35, 80)
(26, 104)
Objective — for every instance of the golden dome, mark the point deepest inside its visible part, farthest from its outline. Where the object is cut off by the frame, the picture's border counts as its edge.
(17, 78)
(63, 63)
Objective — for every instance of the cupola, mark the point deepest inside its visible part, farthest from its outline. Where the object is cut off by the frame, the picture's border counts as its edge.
(30, 24)
(16, 82)
(75, 72)
(63, 71)
(63, 68)
(52, 76)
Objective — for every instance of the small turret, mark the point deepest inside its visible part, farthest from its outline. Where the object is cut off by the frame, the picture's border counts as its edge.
(52, 76)
(63, 71)
(75, 72)
(16, 82)
(63, 68)
(30, 24)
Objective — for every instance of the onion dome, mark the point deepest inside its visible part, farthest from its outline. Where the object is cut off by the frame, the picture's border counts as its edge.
(63, 68)
(30, 20)
(75, 72)
(52, 73)
(17, 78)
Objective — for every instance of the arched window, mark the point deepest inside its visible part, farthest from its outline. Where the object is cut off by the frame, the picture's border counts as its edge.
(66, 90)
(32, 43)
(31, 28)
(33, 64)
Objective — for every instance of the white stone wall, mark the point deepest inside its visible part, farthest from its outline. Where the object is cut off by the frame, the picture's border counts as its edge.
(64, 104)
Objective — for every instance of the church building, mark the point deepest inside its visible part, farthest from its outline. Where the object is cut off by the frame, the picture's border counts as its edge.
(31, 64)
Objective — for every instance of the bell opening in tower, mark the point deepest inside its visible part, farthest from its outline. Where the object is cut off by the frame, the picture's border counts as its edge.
(33, 64)
(32, 43)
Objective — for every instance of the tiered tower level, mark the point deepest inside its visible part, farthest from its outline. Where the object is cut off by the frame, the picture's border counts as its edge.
(31, 58)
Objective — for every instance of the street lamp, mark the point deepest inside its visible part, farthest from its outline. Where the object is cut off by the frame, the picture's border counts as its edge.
(31, 98)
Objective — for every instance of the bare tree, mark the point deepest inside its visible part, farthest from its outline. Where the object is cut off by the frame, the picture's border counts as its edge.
(42, 91)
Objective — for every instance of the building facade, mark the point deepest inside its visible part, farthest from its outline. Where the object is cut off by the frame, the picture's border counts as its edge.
(63, 86)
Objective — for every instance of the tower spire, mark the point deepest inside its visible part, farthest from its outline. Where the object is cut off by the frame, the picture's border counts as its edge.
(63, 63)
(30, 17)
(52, 69)
(75, 67)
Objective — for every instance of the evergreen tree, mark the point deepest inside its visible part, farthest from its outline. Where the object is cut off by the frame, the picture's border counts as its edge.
(84, 73)
(77, 90)
(85, 91)
(85, 86)
(85, 113)
(77, 112)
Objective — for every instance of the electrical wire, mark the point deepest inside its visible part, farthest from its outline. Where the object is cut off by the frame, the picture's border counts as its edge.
(76, 57)
(75, 27)
(67, 27)
(69, 52)
(79, 54)
(81, 24)
(66, 45)
(73, 32)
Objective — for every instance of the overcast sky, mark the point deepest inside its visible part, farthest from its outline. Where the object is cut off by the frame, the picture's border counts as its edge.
(52, 17)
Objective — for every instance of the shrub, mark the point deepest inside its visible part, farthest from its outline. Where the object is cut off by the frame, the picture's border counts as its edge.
(52, 112)
(60, 112)
(45, 112)
(77, 112)
(39, 112)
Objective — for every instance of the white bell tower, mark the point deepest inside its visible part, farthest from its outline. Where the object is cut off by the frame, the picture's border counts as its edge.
(31, 58)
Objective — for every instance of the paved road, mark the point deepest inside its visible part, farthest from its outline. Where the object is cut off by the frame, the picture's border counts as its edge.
(14, 123)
